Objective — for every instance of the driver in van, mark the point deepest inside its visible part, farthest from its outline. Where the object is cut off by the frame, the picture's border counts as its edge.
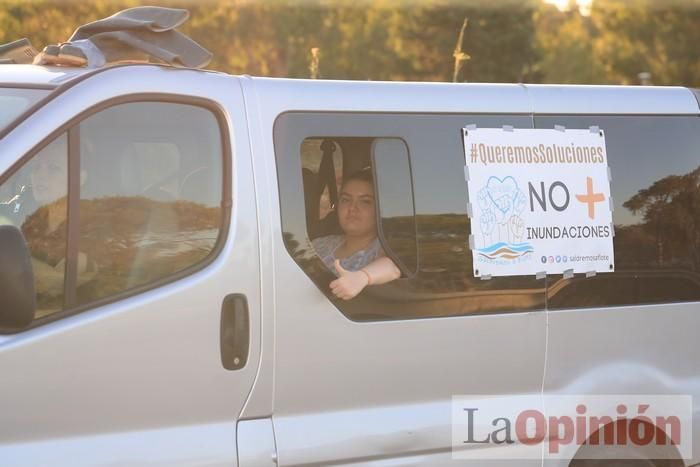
(44, 226)
(356, 257)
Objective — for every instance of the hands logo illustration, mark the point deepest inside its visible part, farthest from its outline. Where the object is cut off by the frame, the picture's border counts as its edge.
(501, 203)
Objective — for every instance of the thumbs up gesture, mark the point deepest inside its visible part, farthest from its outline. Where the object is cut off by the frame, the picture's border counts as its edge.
(349, 283)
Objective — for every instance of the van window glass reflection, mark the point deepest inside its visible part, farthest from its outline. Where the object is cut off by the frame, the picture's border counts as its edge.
(656, 214)
(151, 206)
(433, 242)
(34, 200)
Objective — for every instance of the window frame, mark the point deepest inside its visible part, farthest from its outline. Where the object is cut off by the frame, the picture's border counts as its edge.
(71, 128)
(406, 272)
(334, 137)
(55, 91)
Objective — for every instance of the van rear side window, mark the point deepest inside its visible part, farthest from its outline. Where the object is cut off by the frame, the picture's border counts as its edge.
(655, 166)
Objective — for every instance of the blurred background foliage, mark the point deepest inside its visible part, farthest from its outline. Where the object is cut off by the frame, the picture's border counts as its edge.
(610, 41)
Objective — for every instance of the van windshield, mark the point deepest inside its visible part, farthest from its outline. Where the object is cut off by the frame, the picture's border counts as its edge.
(14, 101)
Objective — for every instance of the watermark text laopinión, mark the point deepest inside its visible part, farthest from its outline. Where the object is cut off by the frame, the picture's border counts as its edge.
(525, 426)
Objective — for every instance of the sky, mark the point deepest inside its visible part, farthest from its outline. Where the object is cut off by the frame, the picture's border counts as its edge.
(585, 5)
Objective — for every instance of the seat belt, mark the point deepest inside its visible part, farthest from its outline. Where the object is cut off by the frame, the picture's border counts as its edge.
(326, 173)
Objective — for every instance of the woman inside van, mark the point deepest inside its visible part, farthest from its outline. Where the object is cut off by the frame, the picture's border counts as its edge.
(356, 257)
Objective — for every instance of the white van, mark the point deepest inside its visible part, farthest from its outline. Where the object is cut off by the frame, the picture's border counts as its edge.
(170, 310)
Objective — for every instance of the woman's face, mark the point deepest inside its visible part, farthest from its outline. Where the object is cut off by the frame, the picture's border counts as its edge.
(356, 208)
(49, 175)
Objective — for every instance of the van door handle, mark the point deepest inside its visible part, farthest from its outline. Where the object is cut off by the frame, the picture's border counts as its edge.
(235, 331)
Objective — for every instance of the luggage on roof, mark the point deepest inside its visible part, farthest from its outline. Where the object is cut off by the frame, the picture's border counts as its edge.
(135, 34)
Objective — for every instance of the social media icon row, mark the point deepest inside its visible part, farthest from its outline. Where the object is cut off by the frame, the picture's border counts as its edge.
(554, 259)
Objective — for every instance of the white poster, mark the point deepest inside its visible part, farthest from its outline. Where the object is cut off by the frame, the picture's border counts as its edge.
(539, 201)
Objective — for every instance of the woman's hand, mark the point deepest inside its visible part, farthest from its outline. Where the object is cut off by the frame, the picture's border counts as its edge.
(350, 283)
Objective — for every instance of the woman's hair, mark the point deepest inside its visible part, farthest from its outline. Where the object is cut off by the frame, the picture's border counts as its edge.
(364, 175)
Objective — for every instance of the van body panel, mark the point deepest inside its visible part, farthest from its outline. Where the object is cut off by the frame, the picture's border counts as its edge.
(645, 350)
(285, 95)
(30, 75)
(146, 368)
(405, 434)
(260, 403)
(256, 443)
(351, 392)
(584, 99)
(172, 447)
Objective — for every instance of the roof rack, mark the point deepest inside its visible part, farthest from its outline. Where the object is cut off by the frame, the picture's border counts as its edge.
(19, 51)
(139, 34)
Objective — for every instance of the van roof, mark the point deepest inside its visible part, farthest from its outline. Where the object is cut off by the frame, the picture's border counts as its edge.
(279, 95)
(47, 77)
(325, 95)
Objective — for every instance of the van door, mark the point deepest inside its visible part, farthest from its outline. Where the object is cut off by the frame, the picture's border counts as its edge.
(371, 381)
(134, 191)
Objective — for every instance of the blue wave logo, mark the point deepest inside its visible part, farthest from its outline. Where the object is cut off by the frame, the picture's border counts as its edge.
(504, 250)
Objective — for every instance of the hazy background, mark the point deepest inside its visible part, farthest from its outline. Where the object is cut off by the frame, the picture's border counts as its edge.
(534, 41)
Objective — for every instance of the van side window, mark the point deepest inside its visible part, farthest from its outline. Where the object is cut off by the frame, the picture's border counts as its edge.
(655, 186)
(442, 281)
(34, 199)
(150, 204)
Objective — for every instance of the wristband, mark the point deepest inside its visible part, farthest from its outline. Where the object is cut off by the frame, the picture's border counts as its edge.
(369, 278)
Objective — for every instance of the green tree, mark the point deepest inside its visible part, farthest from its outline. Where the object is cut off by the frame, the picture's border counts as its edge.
(499, 39)
(671, 213)
(45, 22)
(565, 44)
(508, 41)
(637, 36)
